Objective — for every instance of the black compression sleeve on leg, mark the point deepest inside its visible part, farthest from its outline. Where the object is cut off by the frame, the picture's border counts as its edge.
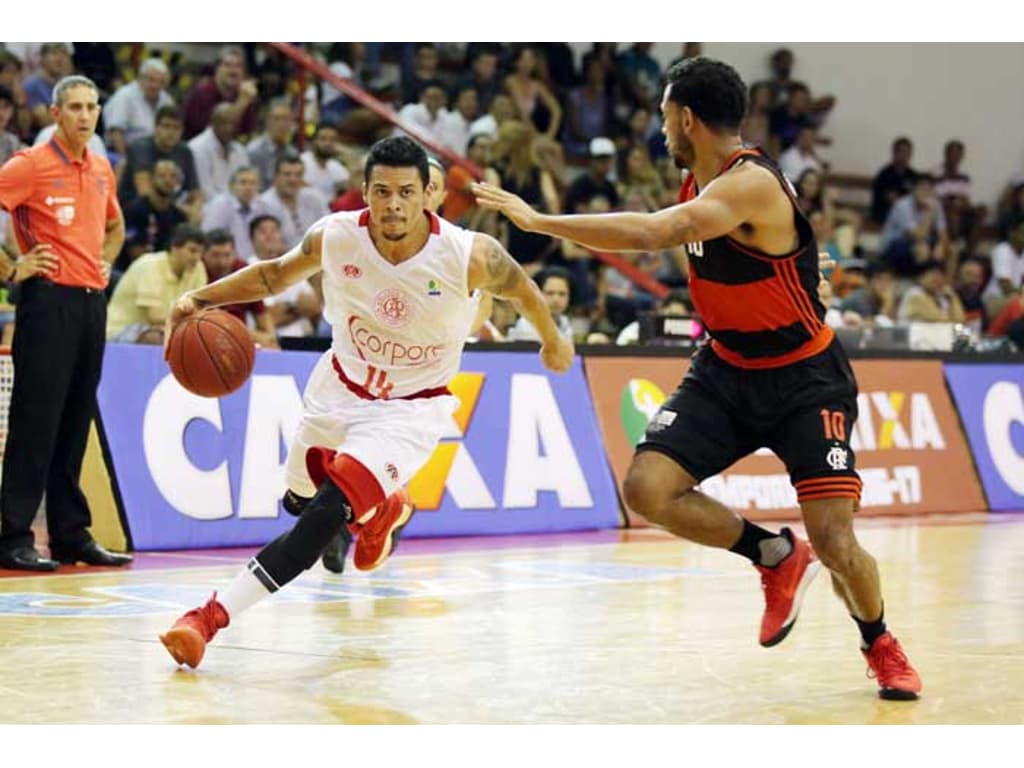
(291, 553)
(293, 503)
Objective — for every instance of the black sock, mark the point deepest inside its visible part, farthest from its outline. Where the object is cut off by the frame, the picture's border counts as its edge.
(871, 630)
(293, 552)
(773, 550)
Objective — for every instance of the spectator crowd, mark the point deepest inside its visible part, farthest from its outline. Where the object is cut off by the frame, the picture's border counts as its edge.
(222, 164)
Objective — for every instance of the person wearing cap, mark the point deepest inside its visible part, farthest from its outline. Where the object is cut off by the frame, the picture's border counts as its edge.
(931, 299)
(63, 200)
(595, 182)
(55, 63)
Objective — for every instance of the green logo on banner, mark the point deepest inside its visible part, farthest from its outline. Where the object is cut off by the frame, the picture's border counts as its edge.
(640, 400)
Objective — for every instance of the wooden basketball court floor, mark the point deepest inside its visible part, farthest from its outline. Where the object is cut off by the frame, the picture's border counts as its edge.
(611, 627)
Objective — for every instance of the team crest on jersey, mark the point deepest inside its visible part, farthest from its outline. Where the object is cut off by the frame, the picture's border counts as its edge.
(352, 270)
(433, 289)
(392, 307)
(837, 457)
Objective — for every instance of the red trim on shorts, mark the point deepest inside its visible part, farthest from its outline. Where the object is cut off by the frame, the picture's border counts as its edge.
(359, 484)
(815, 488)
(361, 392)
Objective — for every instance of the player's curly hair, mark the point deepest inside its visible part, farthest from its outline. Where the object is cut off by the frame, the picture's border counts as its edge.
(712, 89)
(398, 152)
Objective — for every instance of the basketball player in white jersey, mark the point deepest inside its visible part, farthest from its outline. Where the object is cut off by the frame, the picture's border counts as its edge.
(397, 283)
(334, 554)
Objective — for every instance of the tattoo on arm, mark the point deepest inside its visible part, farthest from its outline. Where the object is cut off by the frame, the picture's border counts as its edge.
(263, 277)
(503, 273)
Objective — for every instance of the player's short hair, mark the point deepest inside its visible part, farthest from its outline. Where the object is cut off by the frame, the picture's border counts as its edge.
(186, 233)
(219, 237)
(398, 152)
(65, 84)
(713, 91)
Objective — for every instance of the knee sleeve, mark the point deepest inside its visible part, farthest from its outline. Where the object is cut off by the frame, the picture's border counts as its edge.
(293, 552)
(360, 487)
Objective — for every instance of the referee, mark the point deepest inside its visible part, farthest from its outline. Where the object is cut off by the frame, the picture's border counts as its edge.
(63, 203)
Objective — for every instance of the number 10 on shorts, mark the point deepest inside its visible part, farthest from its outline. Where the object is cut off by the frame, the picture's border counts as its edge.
(834, 423)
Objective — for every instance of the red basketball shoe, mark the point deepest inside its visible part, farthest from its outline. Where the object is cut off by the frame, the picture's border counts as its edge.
(887, 663)
(378, 533)
(784, 587)
(186, 640)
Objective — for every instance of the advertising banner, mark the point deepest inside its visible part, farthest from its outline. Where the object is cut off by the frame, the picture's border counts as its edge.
(523, 452)
(911, 454)
(990, 399)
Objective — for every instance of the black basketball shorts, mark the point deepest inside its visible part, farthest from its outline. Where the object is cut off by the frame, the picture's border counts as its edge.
(804, 412)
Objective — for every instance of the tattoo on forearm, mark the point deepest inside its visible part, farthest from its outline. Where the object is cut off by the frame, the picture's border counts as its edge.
(263, 277)
(502, 271)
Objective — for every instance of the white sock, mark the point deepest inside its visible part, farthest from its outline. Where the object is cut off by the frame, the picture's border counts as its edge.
(244, 592)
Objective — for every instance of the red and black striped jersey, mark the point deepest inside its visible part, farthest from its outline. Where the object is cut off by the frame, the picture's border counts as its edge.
(761, 310)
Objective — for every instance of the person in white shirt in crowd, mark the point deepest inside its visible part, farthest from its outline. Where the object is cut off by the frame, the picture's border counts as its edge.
(428, 114)
(296, 207)
(130, 113)
(801, 156)
(502, 110)
(1007, 269)
(216, 153)
(455, 126)
(274, 143)
(235, 210)
(296, 310)
(323, 171)
(555, 284)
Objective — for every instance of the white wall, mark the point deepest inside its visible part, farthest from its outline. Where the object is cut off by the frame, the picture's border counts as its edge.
(930, 92)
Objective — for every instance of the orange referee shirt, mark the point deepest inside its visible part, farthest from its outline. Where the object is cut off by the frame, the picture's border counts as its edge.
(65, 203)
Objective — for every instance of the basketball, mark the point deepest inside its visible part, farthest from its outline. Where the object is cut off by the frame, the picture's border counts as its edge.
(211, 353)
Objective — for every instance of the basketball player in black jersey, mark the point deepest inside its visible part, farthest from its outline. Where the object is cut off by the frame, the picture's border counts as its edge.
(773, 375)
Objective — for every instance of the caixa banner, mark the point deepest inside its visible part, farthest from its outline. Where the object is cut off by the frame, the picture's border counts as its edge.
(990, 399)
(522, 454)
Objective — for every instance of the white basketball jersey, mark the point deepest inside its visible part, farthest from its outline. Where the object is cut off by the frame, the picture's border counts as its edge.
(398, 328)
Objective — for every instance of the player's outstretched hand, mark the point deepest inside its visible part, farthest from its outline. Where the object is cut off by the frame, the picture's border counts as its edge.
(514, 207)
(557, 356)
(184, 307)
